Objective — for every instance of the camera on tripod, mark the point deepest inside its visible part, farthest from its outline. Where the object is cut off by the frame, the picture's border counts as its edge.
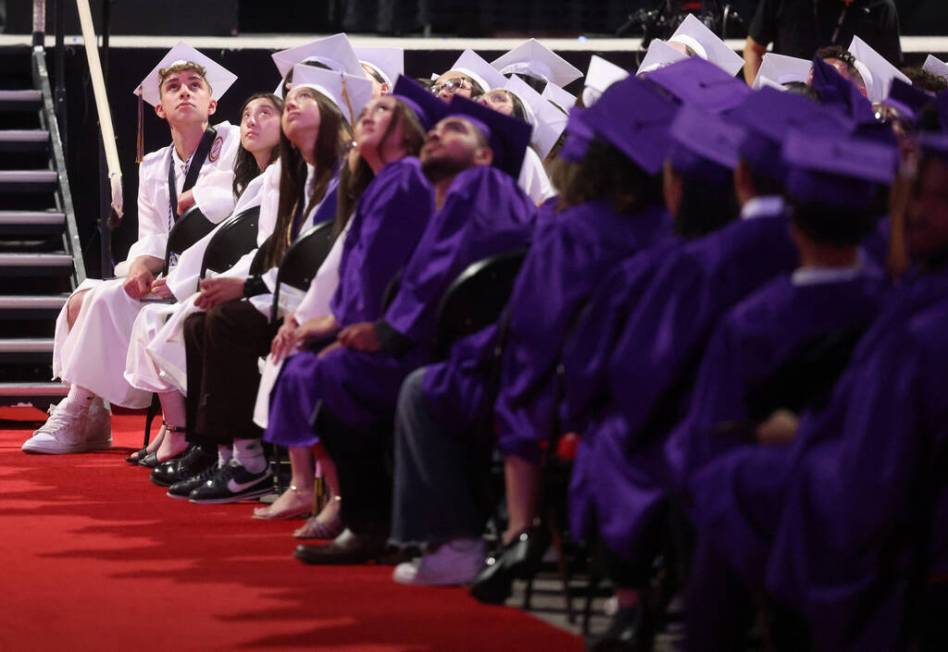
(660, 21)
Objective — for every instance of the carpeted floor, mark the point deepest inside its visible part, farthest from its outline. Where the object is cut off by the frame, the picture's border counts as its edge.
(95, 557)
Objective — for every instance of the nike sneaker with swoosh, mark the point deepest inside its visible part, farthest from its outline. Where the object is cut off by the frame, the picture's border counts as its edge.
(233, 483)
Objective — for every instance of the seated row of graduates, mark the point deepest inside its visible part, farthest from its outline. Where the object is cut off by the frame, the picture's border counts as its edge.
(702, 304)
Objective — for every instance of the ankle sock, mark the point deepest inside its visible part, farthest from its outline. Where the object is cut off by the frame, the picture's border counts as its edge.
(249, 454)
(225, 453)
(79, 397)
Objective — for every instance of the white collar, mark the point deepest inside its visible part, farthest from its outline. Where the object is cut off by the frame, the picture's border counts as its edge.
(766, 206)
(816, 275)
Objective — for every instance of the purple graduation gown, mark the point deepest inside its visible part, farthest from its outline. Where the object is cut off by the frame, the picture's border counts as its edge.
(648, 377)
(484, 214)
(570, 255)
(866, 508)
(758, 336)
(390, 217)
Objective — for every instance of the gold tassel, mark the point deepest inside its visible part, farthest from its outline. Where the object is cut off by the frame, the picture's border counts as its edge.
(140, 136)
(345, 98)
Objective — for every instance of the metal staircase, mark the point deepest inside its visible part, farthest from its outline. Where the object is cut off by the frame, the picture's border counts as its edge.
(40, 253)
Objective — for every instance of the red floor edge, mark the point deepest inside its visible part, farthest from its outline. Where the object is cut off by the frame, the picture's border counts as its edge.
(95, 557)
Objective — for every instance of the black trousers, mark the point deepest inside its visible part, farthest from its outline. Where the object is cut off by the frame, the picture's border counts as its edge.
(222, 347)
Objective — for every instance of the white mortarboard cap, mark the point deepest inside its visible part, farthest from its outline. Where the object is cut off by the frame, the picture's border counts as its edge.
(389, 62)
(219, 78)
(475, 67)
(335, 52)
(542, 116)
(559, 97)
(936, 66)
(707, 45)
(601, 75)
(348, 92)
(876, 71)
(779, 69)
(659, 55)
(534, 59)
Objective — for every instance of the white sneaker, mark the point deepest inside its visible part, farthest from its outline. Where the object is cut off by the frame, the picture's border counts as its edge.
(455, 562)
(65, 432)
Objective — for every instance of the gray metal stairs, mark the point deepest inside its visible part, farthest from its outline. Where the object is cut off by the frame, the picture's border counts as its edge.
(40, 253)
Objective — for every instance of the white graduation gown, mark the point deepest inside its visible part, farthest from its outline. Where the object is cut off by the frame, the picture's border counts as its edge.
(141, 372)
(533, 178)
(92, 354)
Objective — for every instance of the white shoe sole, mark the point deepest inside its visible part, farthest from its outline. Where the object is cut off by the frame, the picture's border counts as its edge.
(54, 449)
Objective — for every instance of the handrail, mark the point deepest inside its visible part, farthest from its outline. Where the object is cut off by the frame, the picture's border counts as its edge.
(101, 105)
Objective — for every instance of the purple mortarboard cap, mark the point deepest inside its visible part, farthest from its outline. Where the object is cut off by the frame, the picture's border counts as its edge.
(578, 136)
(634, 116)
(908, 100)
(702, 84)
(508, 137)
(841, 171)
(428, 108)
(704, 146)
(838, 92)
(768, 115)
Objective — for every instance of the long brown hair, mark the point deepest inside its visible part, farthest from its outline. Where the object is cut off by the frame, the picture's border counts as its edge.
(333, 133)
(245, 165)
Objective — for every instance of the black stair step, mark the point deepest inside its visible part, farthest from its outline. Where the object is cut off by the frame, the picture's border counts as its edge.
(35, 264)
(23, 140)
(31, 306)
(28, 181)
(26, 349)
(50, 244)
(39, 393)
(23, 223)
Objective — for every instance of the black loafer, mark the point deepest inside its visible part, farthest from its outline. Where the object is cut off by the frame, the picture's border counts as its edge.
(347, 548)
(629, 631)
(182, 489)
(196, 460)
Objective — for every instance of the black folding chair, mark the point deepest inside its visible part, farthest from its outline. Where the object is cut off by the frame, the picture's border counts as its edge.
(190, 227)
(475, 299)
(302, 260)
(235, 238)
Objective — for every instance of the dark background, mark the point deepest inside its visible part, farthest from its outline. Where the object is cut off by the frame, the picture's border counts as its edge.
(408, 17)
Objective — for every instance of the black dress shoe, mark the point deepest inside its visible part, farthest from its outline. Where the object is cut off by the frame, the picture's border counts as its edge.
(196, 460)
(629, 631)
(347, 548)
(518, 559)
(151, 460)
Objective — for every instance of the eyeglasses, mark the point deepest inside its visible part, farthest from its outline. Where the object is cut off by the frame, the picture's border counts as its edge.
(451, 86)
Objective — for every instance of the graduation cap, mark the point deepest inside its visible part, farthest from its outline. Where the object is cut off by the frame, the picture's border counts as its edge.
(335, 52)
(876, 71)
(935, 66)
(149, 90)
(837, 171)
(908, 100)
(634, 116)
(578, 136)
(534, 59)
(350, 93)
(838, 92)
(389, 63)
(704, 146)
(600, 75)
(547, 121)
(475, 67)
(507, 136)
(702, 84)
(707, 45)
(768, 115)
(779, 69)
(659, 55)
(428, 108)
(558, 97)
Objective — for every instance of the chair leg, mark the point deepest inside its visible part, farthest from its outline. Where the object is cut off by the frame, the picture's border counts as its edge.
(590, 594)
(153, 410)
(556, 537)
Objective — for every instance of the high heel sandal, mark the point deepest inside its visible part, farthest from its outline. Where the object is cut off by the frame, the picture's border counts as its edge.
(151, 460)
(139, 455)
(301, 506)
(518, 559)
(316, 529)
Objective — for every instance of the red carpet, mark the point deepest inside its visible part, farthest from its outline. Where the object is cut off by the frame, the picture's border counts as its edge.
(95, 557)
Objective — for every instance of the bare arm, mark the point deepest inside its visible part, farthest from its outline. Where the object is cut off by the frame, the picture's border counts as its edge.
(753, 57)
